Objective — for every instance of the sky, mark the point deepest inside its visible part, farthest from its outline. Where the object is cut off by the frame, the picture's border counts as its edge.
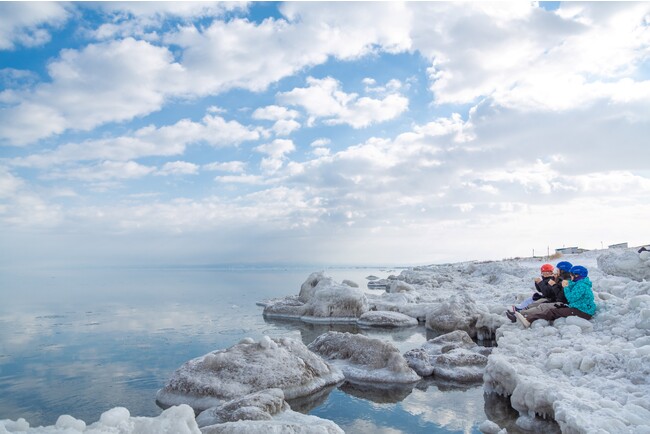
(178, 133)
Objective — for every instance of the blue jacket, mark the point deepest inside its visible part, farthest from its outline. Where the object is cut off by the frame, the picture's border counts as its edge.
(580, 296)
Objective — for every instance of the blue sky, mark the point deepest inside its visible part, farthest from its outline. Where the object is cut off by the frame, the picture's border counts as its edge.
(320, 133)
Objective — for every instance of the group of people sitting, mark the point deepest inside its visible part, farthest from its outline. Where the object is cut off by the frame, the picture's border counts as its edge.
(561, 291)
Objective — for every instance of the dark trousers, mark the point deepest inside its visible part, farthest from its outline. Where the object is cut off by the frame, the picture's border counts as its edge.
(555, 313)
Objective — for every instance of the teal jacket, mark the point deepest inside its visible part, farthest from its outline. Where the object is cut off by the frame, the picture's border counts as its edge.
(580, 296)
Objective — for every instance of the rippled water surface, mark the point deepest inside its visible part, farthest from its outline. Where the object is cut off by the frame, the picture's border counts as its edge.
(83, 341)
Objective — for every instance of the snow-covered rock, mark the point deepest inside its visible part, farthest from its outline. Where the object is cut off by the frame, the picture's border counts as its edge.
(453, 356)
(590, 376)
(264, 412)
(246, 368)
(364, 359)
(384, 318)
(321, 299)
(174, 420)
(400, 286)
(459, 312)
(626, 263)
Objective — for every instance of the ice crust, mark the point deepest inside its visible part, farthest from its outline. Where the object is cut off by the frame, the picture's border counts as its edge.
(590, 376)
(245, 368)
(263, 412)
(386, 319)
(174, 420)
(321, 299)
(626, 263)
(453, 356)
(364, 359)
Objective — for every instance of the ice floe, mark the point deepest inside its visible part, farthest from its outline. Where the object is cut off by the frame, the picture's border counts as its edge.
(386, 319)
(364, 359)
(453, 356)
(264, 412)
(321, 299)
(245, 368)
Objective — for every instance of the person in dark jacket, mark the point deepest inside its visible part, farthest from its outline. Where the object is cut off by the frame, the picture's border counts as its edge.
(563, 274)
(549, 288)
(579, 295)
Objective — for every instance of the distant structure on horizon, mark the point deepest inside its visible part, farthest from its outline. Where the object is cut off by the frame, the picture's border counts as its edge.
(570, 250)
(618, 246)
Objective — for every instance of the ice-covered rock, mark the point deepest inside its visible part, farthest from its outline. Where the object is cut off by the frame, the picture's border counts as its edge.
(174, 420)
(377, 318)
(590, 376)
(400, 286)
(626, 263)
(453, 356)
(459, 312)
(264, 412)
(321, 299)
(246, 368)
(364, 359)
(261, 405)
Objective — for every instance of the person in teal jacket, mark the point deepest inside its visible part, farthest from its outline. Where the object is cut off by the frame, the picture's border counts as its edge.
(578, 293)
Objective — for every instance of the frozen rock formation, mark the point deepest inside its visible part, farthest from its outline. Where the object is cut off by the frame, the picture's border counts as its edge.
(264, 411)
(459, 312)
(321, 299)
(382, 318)
(590, 376)
(246, 368)
(363, 359)
(626, 263)
(453, 356)
(174, 420)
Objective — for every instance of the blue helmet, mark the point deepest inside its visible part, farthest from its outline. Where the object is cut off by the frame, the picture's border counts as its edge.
(579, 270)
(564, 266)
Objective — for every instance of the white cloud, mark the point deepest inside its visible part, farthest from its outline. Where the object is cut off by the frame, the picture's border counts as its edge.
(109, 82)
(285, 118)
(241, 179)
(484, 52)
(277, 148)
(274, 113)
(285, 127)
(276, 151)
(323, 98)
(104, 171)
(229, 166)
(28, 23)
(143, 19)
(320, 142)
(148, 141)
(178, 168)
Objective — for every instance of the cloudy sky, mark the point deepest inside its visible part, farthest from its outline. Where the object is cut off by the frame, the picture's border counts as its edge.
(320, 133)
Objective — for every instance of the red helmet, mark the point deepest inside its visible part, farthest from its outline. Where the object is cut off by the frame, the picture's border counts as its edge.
(547, 268)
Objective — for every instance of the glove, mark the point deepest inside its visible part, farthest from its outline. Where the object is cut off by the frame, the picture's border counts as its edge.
(558, 305)
(537, 296)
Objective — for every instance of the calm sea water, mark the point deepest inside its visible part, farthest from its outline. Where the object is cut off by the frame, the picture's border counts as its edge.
(82, 341)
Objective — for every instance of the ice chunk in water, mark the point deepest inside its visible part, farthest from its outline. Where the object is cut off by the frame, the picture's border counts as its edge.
(245, 368)
(364, 359)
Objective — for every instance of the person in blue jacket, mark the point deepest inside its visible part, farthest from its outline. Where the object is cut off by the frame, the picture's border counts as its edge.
(579, 295)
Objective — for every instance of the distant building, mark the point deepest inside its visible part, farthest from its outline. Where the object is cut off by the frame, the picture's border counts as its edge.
(569, 250)
(618, 246)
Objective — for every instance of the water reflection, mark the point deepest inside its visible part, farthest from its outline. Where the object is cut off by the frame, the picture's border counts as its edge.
(378, 393)
(499, 410)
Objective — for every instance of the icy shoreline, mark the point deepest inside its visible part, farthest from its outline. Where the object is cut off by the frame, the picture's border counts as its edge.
(586, 376)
